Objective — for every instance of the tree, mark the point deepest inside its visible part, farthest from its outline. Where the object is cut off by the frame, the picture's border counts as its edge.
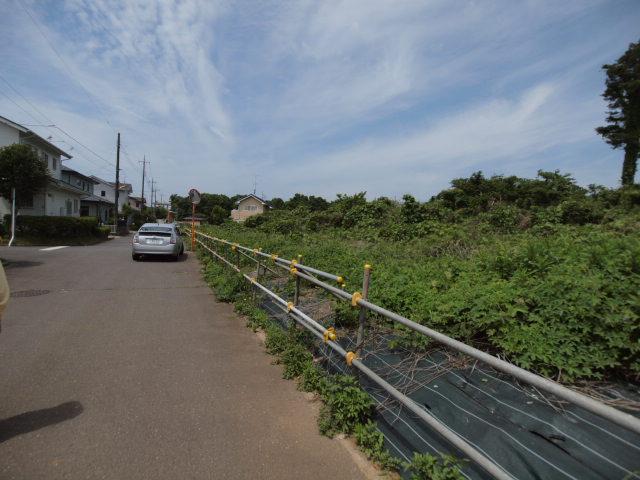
(276, 204)
(20, 168)
(622, 93)
(218, 215)
(160, 212)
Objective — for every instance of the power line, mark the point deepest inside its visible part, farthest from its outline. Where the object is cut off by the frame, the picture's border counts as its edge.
(48, 126)
(64, 63)
(52, 125)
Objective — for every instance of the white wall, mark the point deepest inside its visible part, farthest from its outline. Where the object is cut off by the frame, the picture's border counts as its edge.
(8, 135)
(110, 194)
(57, 203)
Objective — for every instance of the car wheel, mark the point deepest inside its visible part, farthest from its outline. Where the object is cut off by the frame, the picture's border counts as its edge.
(135, 257)
(181, 249)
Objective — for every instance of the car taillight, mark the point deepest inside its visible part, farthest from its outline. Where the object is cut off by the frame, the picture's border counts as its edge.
(173, 239)
(136, 239)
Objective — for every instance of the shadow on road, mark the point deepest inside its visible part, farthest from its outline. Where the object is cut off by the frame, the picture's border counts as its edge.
(18, 263)
(164, 258)
(37, 419)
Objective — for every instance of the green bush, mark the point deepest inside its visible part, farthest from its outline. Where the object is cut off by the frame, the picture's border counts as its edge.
(580, 212)
(432, 467)
(46, 227)
(371, 442)
(345, 405)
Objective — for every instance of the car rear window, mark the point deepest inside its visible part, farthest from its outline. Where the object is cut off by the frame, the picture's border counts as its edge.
(155, 231)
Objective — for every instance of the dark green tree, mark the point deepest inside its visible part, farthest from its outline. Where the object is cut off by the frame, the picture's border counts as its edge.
(622, 93)
(276, 203)
(160, 212)
(20, 168)
(218, 215)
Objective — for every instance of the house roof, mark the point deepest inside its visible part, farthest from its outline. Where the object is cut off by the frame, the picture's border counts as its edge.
(137, 199)
(123, 186)
(251, 195)
(78, 174)
(65, 186)
(31, 133)
(95, 199)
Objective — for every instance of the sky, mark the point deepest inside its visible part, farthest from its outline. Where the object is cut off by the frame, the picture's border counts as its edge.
(319, 97)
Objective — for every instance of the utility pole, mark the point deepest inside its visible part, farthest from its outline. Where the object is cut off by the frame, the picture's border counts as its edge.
(153, 192)
(144, 164)
(117, 176)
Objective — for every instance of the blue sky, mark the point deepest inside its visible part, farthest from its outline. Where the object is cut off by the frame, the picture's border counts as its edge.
(320, 97)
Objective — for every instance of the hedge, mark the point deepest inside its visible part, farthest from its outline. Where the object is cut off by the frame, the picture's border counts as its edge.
(57, 227)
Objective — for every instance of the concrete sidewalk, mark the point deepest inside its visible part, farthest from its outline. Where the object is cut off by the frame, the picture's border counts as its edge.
(133, 370)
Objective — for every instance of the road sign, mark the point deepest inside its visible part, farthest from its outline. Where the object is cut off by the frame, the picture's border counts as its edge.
(194, 196)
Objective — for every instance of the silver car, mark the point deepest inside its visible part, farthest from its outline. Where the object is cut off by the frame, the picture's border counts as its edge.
(157, 239)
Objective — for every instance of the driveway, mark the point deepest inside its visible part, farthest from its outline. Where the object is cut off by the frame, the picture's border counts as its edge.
(116, 369)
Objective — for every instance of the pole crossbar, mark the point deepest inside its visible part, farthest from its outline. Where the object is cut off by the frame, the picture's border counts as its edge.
(625, 420)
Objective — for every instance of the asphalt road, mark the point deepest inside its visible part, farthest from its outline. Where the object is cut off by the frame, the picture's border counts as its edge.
(128, 370)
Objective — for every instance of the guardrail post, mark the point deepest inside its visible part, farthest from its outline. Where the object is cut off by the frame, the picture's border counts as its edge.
(362, 318)
(259, 266)
(296, 293)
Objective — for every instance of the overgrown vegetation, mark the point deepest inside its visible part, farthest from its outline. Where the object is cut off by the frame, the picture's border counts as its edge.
(346, 407)
(34, 229)
(541, 271)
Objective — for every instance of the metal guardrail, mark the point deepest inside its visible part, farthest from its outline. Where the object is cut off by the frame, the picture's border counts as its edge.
(304, 272)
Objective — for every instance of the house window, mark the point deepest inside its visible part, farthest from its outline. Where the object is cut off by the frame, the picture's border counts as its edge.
(54, 162)
(69, 206)
(25, 202)
(251, 208)
(75, 205)
(103, 193)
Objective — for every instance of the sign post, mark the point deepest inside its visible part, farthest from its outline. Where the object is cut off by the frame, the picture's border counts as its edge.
(194, 196)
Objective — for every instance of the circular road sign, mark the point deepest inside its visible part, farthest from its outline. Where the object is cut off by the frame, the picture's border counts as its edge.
(194, 196)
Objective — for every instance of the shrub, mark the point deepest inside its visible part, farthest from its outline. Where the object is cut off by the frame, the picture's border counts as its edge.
(371, 442)
(505, 218)
(346, 405)
(432, 467)
(580, 211)
(45, 227)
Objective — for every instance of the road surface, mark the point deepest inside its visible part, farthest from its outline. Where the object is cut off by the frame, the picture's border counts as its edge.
(114, 369)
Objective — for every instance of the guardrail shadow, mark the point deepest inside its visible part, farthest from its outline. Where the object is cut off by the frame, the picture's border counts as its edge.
(37, 419)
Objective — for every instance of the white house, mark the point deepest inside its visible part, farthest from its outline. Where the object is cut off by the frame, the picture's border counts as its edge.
(136, 202)
(59, 198)
(90, 204)
(107, 190)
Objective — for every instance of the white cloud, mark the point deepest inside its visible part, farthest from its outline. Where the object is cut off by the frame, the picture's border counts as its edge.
(339, 95)
(501, 130)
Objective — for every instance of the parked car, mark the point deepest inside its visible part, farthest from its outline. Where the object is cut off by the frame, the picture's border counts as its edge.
(157, 239)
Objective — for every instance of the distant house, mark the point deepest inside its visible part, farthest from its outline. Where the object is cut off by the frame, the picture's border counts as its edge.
(136, 202)
(90, 204)
(107, 190)
(61, 196)
(248, 207)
